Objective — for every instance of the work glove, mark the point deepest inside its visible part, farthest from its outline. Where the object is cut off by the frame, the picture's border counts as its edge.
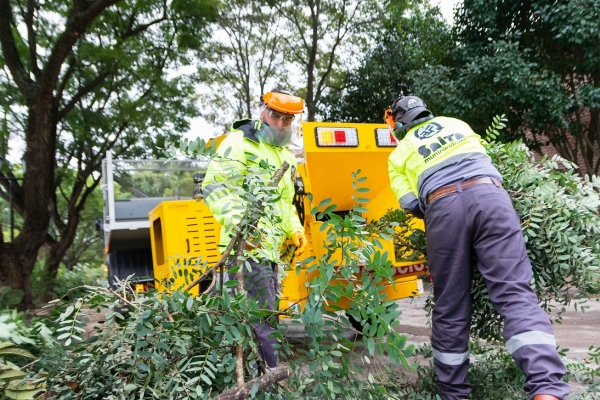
(299, 241)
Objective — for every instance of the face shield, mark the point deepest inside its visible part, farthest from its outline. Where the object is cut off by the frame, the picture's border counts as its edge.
(276, 136)
(279, 131)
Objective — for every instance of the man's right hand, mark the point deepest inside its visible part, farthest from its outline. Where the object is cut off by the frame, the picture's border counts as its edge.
(299, 241)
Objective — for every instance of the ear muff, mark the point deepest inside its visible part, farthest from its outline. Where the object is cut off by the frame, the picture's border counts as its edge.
(399, 132)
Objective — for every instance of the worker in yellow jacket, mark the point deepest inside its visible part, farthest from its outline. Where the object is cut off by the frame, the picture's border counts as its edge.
(440, 172)
(259, 143)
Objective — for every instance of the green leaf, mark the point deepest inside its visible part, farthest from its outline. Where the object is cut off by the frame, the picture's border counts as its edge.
(12, 374)
(22, 394)
(16, 351)
(370, 346)
(231, 283)
(130, 386)
(324, 202)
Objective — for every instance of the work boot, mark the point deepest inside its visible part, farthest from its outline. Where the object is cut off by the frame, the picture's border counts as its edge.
(544, 397)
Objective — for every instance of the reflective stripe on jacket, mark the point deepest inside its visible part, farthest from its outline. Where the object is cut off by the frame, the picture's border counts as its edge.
(240, 148)
(426, 149)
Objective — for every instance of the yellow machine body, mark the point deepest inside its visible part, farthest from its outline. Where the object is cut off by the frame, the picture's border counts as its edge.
(180, 232)
(327, 174)
(185, 229)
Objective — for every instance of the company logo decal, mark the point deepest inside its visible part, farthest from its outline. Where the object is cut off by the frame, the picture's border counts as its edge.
(428, 131)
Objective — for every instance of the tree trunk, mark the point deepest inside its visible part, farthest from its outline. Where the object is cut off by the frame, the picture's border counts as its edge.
(56, 255)
(19, 257)
(594, 137)
(10, 270)
(51, 266)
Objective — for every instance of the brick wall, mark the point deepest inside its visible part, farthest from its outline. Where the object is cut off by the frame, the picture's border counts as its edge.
(550, 150)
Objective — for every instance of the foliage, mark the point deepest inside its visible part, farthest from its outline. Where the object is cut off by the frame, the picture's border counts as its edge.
(538, 60)
(88, 244)
(81, 275)
(178, 344)
(9, 297)
(499, 55)
(66, 281)
(13, 380)
(244, 55)
(494, 375)
(21, 344)
(583, 371)
(322, 38)
(413, 35)
(186, 344)
(33, 336)
(559, 217)
(409, 240)
(80, 79)
(332, 372)
(501, 79)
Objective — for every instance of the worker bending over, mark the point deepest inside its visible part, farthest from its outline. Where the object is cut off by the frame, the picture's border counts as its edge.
(440, 172)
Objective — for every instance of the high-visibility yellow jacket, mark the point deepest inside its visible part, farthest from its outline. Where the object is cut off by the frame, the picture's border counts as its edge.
(433, 154)
(243, 148)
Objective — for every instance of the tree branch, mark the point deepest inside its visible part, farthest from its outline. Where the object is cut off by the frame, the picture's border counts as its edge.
(132, 32)
(263, 382)
(91, 85)
(31, 37)
(11, 55)
(63, 82)
(80, 16)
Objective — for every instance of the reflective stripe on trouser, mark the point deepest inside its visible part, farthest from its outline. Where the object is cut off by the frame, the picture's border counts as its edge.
(482, 222)
(261, 285)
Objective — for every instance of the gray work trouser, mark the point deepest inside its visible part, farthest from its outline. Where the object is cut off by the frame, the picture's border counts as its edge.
(261, 285)
(481, 221)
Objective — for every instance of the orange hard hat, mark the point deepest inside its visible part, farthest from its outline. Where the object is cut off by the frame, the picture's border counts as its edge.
(283, 102)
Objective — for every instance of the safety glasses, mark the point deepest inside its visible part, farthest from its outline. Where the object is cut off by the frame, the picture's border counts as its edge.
(277, 116)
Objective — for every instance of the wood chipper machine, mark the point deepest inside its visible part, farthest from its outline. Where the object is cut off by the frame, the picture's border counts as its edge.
(186, 229)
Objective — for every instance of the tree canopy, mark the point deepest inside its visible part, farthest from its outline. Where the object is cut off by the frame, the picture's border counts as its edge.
(76, 80)
(243, 56)
(410, 38)
(538, 62)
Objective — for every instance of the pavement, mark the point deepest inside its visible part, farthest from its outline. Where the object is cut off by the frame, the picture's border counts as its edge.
(578, 331)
